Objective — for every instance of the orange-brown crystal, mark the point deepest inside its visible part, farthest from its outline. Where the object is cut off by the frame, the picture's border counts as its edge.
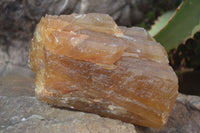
(88, 63)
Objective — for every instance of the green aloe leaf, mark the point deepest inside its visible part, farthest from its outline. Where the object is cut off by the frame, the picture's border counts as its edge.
(161, 22)
(183, 25)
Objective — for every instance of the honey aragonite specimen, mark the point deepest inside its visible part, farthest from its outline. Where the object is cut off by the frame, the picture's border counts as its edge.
(88, 63)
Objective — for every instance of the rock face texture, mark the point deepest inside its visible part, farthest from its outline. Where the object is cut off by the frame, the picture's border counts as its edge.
(25, 14)
(21, 112)
(32, 116)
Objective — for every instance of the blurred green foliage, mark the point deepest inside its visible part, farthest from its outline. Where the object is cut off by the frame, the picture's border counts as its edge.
(183, 25)
(158, 8)
(161, 22)
(179, 32)
(186, 55)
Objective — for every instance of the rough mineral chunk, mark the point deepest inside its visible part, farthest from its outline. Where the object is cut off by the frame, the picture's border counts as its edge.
(88, 63)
